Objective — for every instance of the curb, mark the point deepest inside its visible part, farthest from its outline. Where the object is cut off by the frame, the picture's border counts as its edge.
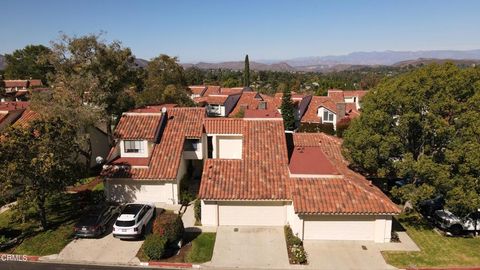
(4, 257)
(170, 264)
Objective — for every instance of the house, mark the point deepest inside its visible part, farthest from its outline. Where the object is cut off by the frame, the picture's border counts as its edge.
(314, 192)
(10, 112)
(18, 114)
(151, 153)
(337, 105)
(19, 90)
(252, 174)
(218, 105)
(347, 96)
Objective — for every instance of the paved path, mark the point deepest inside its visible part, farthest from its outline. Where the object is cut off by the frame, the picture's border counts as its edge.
(250, 247)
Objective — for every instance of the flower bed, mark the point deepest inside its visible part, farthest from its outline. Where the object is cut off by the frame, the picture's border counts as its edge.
(296, 252)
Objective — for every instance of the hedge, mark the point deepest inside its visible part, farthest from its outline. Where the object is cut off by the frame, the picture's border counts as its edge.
(154, 246)
(170, 226)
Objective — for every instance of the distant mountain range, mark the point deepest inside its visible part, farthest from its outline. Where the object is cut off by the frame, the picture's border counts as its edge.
(2, 62)
(350, 61)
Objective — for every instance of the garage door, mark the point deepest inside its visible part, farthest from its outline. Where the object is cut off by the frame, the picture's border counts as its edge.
(252, 214)
(339, 228)
(133, 192)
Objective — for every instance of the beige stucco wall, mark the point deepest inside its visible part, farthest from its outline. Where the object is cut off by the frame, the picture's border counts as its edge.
(229, 147)
(140, 191)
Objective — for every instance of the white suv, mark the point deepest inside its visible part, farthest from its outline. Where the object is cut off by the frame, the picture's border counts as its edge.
(133, 220)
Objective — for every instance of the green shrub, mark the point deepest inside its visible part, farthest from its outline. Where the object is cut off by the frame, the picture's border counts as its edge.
(296, 252)
(154, 246)
(317, 128)
(170, 226)
(198, 211)
(3, 239)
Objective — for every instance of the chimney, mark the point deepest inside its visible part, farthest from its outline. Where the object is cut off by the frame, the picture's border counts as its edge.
(341, 107)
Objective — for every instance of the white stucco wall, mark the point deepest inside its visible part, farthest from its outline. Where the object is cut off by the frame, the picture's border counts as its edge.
(214, 108)
(320, 114)
(125, 191)
(294, 221)
(209, 213)
(229, 147)
(125, 154)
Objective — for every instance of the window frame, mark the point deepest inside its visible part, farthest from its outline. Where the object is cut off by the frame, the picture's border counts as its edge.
(130, 146)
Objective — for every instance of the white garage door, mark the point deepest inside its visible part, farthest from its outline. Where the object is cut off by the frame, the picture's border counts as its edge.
(339, 228)
(134, 192)
(252, 213)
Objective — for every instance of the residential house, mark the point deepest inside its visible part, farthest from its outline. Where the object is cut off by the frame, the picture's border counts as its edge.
(253, 174)
(10, 112)
(218, 105)
(19, 90)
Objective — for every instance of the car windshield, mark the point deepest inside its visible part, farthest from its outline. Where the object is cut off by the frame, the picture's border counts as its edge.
(125, 223)
(132, 209)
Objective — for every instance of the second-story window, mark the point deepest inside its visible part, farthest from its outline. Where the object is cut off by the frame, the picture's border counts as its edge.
(134, 147)
(327, 116)
(191, 145)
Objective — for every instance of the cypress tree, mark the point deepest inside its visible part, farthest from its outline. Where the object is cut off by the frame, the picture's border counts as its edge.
(288, 109)
(246, 72)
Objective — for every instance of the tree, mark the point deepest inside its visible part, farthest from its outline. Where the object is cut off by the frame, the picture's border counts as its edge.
(30, 62)
(40, 157)
(423, 126)
(246, 72)
(95, 75)
(288, 109)
(165, 83)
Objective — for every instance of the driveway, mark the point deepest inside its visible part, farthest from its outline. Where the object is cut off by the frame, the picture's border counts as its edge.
(250, 247)
(344, 255)
(104, 250)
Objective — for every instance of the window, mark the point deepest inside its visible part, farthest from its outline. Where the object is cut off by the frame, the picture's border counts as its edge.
(134, 147)
(190, 145)
(327, 116)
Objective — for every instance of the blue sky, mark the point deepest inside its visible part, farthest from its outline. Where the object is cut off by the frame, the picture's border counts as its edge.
(209, 30)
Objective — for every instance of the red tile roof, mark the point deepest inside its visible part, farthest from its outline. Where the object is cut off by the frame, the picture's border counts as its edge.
(248, 100)
(197, 89)
(258, 113)
(336, 95)
(352, 194)
(13, 105)
(130, 161)
(165, 158)
(311, 115)
(34, 83)
(224, 125)
(212, 90)
(311, 161)
(26, 118)
(261, 174)
(15, 83)
(153, 108)
(138, 126)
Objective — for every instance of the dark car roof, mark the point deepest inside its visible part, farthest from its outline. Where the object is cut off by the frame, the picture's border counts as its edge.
(132, 209)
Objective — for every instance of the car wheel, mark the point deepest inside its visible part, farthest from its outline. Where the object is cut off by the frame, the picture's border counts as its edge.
(456, 229)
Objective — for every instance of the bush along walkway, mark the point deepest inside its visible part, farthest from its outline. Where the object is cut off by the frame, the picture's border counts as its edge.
(296, 252)
(170, 246)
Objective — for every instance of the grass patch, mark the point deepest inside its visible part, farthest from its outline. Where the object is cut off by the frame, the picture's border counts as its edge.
(436, 250)
(202, 248)
(85, 181)
(99, 187)
(63, 210)
(48, 242)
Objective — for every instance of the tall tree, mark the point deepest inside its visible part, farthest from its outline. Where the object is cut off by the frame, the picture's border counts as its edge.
(165, 83)
(95, 75)
(30, 62)
(246, 72)
(39, 157)
(288, 109)
(423, 126)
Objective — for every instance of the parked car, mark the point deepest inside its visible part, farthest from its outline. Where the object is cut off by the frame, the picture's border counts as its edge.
(96, 221)
(133, 220)
(456, 225)
(428, 207)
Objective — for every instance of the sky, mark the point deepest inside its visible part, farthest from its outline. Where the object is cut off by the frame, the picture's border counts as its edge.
(214, 30)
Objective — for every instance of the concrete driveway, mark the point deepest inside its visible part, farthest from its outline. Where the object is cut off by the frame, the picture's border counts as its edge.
(250, 247)
(103, 250)
(344, 255)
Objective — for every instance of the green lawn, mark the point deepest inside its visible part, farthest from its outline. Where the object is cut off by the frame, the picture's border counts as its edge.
(202, 248)
(63, 210)
(436, 250)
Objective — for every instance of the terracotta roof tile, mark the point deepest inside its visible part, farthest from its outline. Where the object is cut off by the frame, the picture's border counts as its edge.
(166, 155)
(261, 174)
(138, 126)
(224, 125)
(248, 100)
(27, 117)
(15, 83)
(351, 194)
(311, 115)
